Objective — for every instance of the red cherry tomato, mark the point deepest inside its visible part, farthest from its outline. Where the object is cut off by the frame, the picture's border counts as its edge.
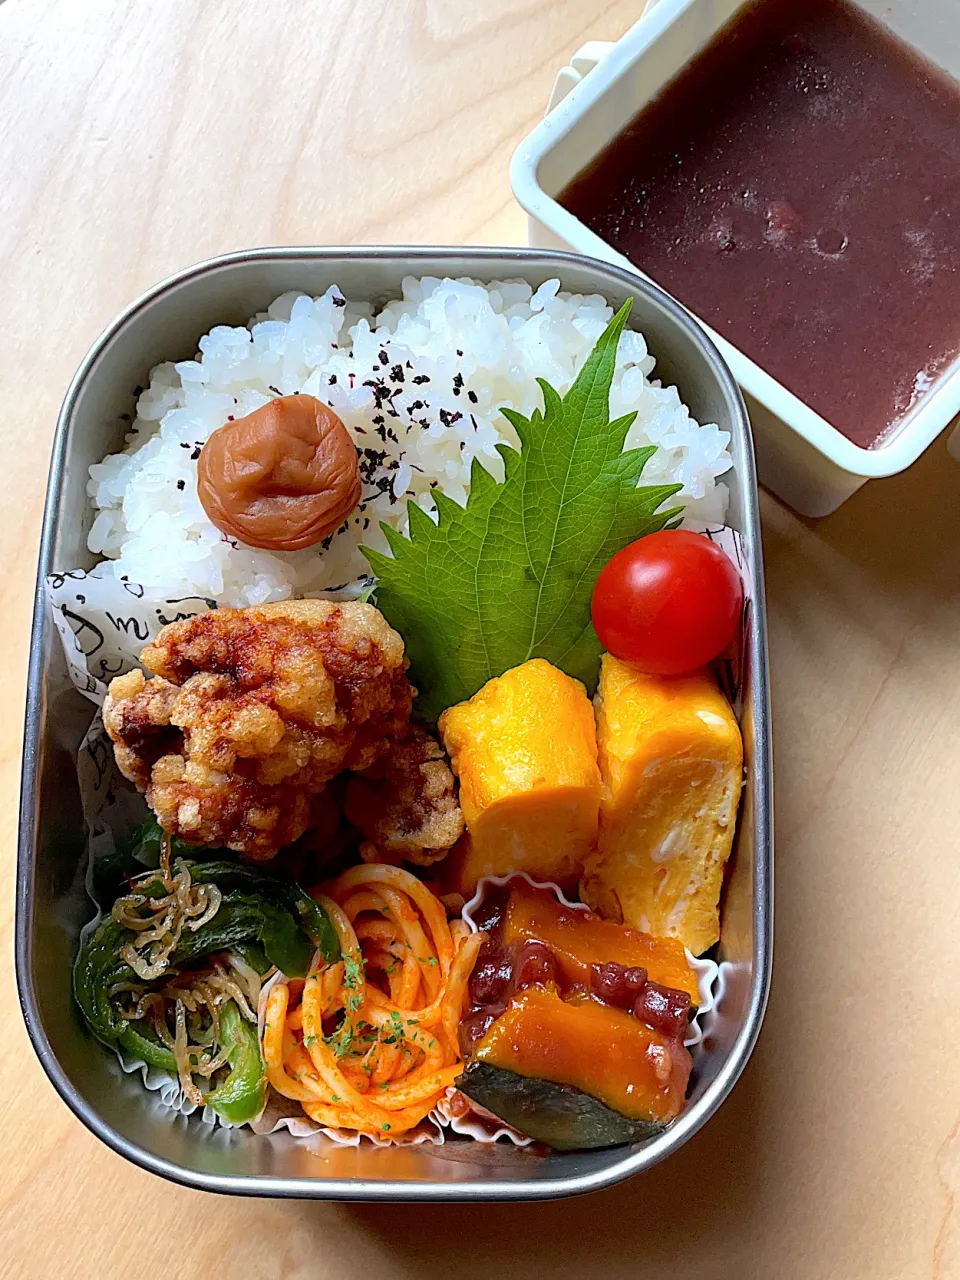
(668, 603)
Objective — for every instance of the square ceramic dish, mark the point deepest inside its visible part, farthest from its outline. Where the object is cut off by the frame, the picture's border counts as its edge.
(800, 456)
(51, 903)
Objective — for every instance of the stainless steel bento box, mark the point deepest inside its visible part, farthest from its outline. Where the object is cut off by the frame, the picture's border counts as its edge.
(51, 902)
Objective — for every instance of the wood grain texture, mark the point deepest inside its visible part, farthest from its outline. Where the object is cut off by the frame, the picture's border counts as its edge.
(136, 138)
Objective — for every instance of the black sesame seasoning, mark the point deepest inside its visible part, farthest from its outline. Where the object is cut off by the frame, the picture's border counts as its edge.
(181, 484)
(421, 378)
(195, 455)
(384, 358)
(459, 352)
(332, 380)
(379, 389)
(231, 418)
(458, 379)
(472, 397)
(338, 301)
(396, 373)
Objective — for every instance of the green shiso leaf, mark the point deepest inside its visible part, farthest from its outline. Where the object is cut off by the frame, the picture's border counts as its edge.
(510, 576)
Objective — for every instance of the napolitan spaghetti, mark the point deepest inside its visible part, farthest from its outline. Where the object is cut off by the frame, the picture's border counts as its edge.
(369, 1043)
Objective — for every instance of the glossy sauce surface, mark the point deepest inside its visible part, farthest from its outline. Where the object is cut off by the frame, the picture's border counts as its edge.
(513, 959)
(638, 1070)
(798, 187)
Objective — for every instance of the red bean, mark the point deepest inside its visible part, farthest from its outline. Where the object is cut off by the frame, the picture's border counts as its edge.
(617, 985)
(489, 914)
(491, 974)
(474, 1027)
(533, 966)
(663, 1009)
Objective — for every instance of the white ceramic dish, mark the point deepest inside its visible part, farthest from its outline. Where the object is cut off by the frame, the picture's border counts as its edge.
(800, 456)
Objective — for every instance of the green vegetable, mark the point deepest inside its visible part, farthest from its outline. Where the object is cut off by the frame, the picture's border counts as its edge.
(563, 1117)
(510, 576)
(139, 1041)
(295, 915)
(148, 843)
(256, 908)
(134, 855)
(253, 954)
(263, 919)
(243, 1094)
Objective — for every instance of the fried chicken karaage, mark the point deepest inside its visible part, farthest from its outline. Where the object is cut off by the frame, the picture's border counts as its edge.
(406, 802)
(252, 711)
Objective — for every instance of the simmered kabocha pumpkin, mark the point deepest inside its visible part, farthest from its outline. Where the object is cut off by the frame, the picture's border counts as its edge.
(577, 1075)
(575, 1026)
(580, 939)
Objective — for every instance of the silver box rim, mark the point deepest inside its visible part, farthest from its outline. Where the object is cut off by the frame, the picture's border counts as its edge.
(699, 1112)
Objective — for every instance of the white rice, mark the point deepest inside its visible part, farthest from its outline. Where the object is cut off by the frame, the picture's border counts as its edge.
(440, 362)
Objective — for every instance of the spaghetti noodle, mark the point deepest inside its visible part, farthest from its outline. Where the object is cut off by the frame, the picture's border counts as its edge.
(369, 1043)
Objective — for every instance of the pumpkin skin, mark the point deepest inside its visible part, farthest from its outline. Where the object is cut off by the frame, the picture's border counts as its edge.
(564, 1118)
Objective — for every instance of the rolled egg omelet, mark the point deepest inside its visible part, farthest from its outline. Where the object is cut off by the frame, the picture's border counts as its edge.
(671, 764)
(524, 748)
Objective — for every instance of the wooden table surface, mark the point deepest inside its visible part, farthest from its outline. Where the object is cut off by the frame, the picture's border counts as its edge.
(136, 138)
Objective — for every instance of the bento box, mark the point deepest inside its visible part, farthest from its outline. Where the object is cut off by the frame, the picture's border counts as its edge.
(52, 905)
(801, 456)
